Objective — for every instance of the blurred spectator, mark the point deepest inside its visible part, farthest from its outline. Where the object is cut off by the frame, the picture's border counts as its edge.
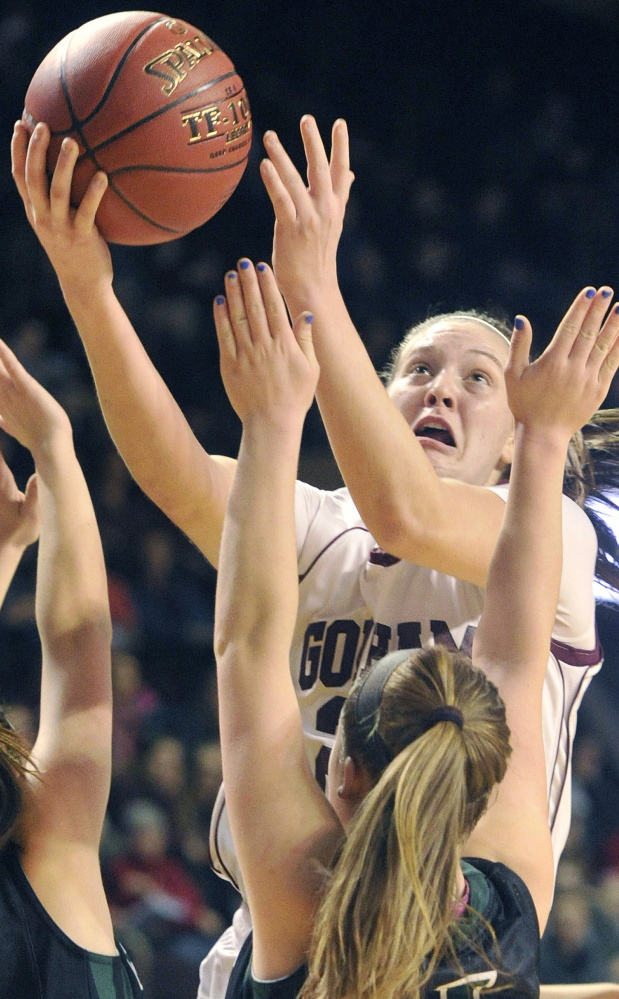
(571, 951)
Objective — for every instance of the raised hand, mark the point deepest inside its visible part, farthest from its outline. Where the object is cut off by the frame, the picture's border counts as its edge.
(69, 236)
(268, 367)
(308, 219)
(566, 385)
(27, 411)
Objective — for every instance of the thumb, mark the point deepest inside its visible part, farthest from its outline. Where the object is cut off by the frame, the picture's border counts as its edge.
(520, 346)
(302, 330)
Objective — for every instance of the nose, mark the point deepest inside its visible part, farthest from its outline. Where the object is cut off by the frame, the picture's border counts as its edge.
(440, 391)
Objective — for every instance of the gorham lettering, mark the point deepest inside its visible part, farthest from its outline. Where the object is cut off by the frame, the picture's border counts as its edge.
(173, 65)
(333, 653)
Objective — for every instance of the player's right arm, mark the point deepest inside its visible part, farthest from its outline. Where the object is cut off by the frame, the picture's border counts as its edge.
(550, 400)
(146, 424)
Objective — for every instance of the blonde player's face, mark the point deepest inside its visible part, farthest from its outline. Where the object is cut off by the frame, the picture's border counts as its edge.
(450, 388)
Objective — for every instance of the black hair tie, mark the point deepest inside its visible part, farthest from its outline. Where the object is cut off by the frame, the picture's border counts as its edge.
(445, 713)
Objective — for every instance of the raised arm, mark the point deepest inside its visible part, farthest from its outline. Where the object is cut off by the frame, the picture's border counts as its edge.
(447, 525)
(550, 399)
(64, 807)
(280, 820)
(147, 426)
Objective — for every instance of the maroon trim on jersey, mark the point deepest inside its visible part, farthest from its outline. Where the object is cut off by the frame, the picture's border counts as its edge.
(326, 548)
(380, 557)
(220, 867)
(577, 657)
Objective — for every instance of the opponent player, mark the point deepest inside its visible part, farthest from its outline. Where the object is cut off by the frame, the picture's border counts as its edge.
(57, 938)
(422, 739)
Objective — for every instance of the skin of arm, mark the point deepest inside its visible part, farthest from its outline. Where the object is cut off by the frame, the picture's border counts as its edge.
(594, 990)
(282, 824)
(145, 422)
(550, 400)
(64, 805)
(19, 523)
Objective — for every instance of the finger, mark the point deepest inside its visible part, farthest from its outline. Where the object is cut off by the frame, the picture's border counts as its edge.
(62, 178)
(342, 176)
(36, 170)
(31, 493)
(225, 334)
(610, 365)
(590, 327)
(605, 340)
(569, 327)
(274, 306)
(236, 312)
(520, 346)
(288, 173)
(283, 205)
(89, 205)
(303, 334)
(19, 148)
(10, 365)
(318, 173)
(254, 306)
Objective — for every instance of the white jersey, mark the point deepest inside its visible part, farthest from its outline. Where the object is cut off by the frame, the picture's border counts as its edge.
(356, 603)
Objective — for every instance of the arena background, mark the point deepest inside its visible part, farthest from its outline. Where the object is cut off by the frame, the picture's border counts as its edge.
(485, 143)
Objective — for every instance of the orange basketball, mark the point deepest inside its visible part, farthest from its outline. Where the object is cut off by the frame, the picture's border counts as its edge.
(159, 107)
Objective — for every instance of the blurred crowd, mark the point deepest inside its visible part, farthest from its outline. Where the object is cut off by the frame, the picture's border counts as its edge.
(486, 176)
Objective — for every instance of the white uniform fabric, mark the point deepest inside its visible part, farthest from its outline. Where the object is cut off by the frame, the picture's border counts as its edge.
(357, 603)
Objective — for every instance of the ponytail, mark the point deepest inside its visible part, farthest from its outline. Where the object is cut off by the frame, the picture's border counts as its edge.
(397, 873)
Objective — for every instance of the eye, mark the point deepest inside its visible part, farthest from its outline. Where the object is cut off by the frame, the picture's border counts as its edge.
(419, 368)
(480, 378)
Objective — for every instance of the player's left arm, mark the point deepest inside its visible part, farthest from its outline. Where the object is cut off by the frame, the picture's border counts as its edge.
(19, 523)
(550, 399)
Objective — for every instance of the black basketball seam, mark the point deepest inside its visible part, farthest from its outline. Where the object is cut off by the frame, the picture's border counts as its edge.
(168, 169)
(129, 204)
(160, 111)
(124, 57)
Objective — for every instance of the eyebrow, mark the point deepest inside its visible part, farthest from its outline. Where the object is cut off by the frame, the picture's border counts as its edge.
(431, 348)
(486, 353)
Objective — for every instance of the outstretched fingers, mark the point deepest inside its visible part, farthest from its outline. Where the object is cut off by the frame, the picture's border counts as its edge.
(288, 175)
(591, 324)
(19, 150)
(520, 347)
(36, 171)
(342, 176)
(318, 172)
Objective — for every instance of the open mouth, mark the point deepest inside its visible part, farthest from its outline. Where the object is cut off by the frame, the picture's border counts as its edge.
(435, 432)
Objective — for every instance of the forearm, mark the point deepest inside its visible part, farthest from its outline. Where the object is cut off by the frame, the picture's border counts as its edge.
(72, 600)
(10, 557)
(144, 421)
(390, 478)
(525, 572)
(257, 583)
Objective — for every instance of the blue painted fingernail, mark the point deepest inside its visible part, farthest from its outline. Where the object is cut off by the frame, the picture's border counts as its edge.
(220, 300)
(606, 293)
(244, 264)
(309, 319)
(590, 292)
(617, 308)
(261, 267)
(231, 274)
(518, 323)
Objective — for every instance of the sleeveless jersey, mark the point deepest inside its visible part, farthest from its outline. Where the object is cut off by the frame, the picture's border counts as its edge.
(501, 898)
(38, 960)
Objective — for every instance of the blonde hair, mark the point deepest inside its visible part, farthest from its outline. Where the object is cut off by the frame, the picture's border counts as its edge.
(15, 764)
(386, 916)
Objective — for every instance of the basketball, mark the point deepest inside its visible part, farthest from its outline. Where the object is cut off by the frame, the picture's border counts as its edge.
(159, 107)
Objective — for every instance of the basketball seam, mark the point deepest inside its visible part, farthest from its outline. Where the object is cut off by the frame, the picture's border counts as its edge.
(160, 111)
(111, 84)
(168, 169)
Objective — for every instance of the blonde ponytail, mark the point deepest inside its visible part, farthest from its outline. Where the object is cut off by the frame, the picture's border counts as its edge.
(384, 922)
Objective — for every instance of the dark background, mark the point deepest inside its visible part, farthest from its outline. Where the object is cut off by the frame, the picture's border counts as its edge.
(484, 139)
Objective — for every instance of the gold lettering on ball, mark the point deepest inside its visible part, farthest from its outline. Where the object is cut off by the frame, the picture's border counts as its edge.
(173, 65)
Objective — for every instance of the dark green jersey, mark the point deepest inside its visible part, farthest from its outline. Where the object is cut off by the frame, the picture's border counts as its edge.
(503, 901)
(39, 961)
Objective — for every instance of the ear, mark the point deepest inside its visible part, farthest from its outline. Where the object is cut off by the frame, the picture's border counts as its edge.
(507, 454)
(356, 782)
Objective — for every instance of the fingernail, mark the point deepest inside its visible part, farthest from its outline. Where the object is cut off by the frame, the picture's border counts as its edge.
(309, 319)
(617, 307)
(244, 264)
(606, 293)
(518, 323)
(590, 292)
(261, 267)
(220, 300)
(231, 275)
